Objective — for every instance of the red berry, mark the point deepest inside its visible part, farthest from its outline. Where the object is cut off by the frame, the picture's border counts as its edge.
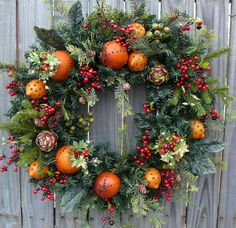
(193, 66)
(104, 219)
(45, 98)
(213, 111)
(35, 191)
(217, 116)
(86, 80)
(58, 104)
(206, 117)
(112, 209)
(148, 110)
(122, 29)
(36, 108)
(145, 106)
(115, 26)
(135, 37)
(195, 58)
(33, 102)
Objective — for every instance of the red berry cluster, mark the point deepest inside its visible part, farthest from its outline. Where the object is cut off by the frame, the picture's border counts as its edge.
(187, 27)
(48, 109)
(59, 178)
(89, 78)
(123, 30)
(166, 147)
(188, 66)
(84, 153)
(167, 184)
(13, 158)
(109, 218)
(147, 108)
(214, 115)
(144, 152)
(198, 24)
(46, 192)
(12, 87)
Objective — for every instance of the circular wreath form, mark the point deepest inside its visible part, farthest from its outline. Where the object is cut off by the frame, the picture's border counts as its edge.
(49, 126)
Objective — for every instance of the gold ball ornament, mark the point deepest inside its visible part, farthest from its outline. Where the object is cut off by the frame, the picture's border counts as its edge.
(35, 89)
(63, 162)
(153, 178)
(158, 74)
(198, 129)
(107, 184)
(114, 55)
(64, 67)
(34, 169)
(138, 29)
(137, 61)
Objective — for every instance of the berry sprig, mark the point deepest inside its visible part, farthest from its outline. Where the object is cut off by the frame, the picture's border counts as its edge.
(189, 68)
(169, 146)
(144, 152)
(214, 115)
(167, 184)
(147, 108)
(13, 87)
(109, 218)
(89, 78)
(46, 192)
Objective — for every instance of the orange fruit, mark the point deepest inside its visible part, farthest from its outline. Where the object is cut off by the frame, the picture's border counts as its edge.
(34, 168)
(137, 61)
(198, 129)
(107, 184)
(139, 30)
(114, 55)
(35, 89)
(153, 178)
(64, 67)
(63, 162)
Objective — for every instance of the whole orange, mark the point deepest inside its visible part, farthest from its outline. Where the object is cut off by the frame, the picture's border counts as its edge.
(107, 184)
(35, 89)
(34, 168)
(139, 29)
(198, 129)
(153, 178)
(137, 61)
(64, 67)
(63, 162)
(114, 55)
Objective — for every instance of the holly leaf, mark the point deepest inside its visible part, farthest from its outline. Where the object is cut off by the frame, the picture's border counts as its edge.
(200, 164)
(71, 199)
(76, 15)
(80, 145)
(190, 50)
(50, 37)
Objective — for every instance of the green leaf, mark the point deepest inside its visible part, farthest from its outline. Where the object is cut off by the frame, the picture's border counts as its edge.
(200, 164)
(211, 146)
(76, 15)
(50, 37)
(71, 199)
(80, 145)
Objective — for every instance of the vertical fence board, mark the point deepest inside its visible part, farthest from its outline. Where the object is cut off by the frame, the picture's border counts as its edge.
(10, 208)
(205, 212)
(35, 213)
(227, 206)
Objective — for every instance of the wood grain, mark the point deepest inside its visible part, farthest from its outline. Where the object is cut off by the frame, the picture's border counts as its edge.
(227, 207)
(10, 199)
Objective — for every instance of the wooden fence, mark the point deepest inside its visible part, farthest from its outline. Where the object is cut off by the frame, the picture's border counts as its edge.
(216, 199)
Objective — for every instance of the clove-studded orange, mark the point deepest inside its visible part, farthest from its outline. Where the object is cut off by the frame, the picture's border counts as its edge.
(153, 178)
(198, 129)
(64, 67)
(114, 55)
(137, 61)
(107, 184)
(63, 162)
(139, 29)
(36, 171)
(35, 89)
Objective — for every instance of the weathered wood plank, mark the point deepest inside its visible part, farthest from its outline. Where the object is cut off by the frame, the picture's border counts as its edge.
(227, 207)
(10, 204)
(205, 212)
(34, 213)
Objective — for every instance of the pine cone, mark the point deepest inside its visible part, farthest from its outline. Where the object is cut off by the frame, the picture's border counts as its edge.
(158, 74)
(142, 189)
(46, 140)
(54, 120)
(38, 122)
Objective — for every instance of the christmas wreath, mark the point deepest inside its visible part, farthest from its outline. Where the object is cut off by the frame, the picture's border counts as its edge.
(50, 116)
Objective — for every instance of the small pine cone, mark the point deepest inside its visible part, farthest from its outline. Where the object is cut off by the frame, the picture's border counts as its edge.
(142, 189)
(38, 122)
(126, 86)
(46, 140)
(59, 115)
(52, 122)
(90, 53)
